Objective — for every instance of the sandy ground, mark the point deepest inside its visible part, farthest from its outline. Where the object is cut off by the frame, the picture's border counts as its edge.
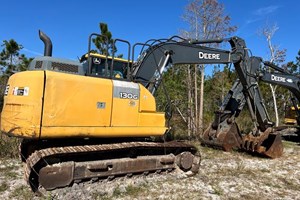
(222, 175)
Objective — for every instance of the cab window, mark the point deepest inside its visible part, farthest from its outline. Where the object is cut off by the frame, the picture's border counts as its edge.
(98, 67)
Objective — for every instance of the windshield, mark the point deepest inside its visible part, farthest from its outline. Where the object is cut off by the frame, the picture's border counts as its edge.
(98, 67)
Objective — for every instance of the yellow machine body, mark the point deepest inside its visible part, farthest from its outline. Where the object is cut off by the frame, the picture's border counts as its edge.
(290, 116)
(48, 104)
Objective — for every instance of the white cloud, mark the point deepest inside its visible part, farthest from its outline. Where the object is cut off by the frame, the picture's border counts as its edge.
(260, 14)
(266, 10)
(250, 21)
(32, 52)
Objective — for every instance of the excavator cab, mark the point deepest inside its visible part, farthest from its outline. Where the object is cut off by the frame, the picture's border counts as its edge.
(99, 62)
(105, 65)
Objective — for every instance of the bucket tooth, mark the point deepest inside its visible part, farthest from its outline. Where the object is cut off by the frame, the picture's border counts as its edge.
(268, 144)
(228, 137)
(274, 146)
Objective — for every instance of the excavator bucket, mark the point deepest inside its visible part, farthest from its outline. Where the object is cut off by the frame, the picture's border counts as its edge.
(227, 137)
(267, 144)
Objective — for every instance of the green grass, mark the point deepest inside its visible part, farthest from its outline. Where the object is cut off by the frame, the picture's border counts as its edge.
(248, 196)
(265, 170)
(9, 171)
(134, 191)
(11, 174)
(290, 184)
(22, 192)
(7, 168)
(3, 187)
(9, 146)
(217, 190)
(129, 191)
(209, 152)
(287, 144)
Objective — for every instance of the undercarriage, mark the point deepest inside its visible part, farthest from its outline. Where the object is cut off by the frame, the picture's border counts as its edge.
(55, 167)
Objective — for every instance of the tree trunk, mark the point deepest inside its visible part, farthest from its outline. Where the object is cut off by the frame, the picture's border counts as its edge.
(273, 89)
(196, 98)
(201, 96)
(207, 20)
(269, 34)
(189, 100)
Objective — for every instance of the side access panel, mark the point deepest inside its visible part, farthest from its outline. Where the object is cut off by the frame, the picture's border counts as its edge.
(75, 105)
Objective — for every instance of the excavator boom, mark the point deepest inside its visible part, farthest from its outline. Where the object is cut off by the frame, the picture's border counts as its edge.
(224, 132)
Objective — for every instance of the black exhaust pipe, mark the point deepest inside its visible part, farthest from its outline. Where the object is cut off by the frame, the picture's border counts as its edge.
(47, 43)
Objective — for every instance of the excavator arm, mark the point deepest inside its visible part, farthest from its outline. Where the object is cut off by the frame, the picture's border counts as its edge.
(283, 79)
(223, 132)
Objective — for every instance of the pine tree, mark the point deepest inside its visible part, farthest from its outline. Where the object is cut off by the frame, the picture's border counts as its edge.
(9, 56)
(105, 45)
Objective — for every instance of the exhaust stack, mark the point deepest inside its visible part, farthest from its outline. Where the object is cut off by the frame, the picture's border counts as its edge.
(47, 43)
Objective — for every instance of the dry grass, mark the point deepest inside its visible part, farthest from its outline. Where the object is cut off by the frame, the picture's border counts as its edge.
(222, 175)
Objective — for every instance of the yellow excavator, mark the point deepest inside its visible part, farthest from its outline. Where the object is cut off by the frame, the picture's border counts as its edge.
(97, 118)
(291, 115)
(87, 120)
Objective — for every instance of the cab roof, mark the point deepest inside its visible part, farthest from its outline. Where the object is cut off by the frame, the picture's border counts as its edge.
(85, 56)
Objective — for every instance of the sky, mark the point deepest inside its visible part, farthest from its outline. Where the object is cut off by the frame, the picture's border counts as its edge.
(69, 23)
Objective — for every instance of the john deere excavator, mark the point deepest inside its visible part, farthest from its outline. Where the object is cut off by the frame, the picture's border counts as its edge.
(97, 118)
(265, 139)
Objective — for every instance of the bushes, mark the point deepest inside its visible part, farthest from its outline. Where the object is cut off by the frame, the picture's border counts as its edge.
(9, 146)
(3, 82)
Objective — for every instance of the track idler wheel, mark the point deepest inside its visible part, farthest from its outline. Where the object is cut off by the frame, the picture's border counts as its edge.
(267, 144)
(187, 161)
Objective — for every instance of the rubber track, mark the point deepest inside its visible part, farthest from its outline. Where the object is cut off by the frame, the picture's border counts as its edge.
(31, 167)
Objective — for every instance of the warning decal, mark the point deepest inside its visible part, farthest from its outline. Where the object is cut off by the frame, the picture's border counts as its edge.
(21, 91)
